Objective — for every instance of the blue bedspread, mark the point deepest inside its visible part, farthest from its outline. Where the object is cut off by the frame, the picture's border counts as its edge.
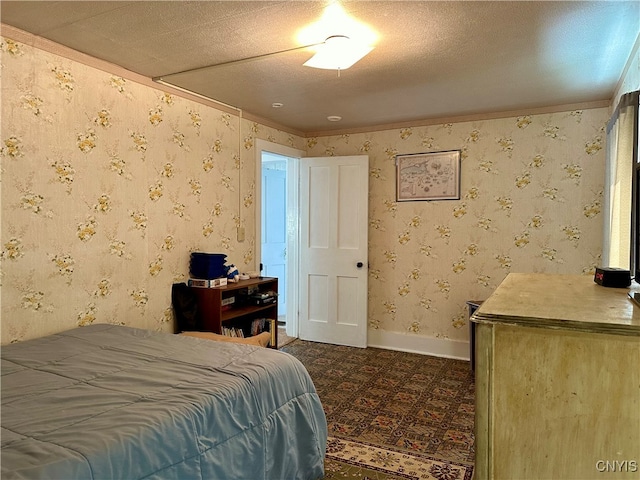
(111, 402)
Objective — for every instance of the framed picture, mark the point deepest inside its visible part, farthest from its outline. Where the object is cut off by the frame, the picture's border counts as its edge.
(428, 176)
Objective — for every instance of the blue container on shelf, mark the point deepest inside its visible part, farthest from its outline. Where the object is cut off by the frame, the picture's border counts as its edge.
(207, 265)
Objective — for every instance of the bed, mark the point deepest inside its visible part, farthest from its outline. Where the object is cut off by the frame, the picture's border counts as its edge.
(113, 402)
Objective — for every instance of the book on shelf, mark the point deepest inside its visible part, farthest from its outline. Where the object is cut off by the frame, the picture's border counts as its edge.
(257, 326)
(272, 328)
(227, 301)
(206, 283)
(233, 332)
(260, 325)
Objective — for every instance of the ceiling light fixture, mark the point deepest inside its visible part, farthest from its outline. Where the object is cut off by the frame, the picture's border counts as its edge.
(338, 52)
(338, 39)
(334, 118)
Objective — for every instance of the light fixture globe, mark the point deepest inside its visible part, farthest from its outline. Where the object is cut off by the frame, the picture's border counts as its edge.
(338, 52)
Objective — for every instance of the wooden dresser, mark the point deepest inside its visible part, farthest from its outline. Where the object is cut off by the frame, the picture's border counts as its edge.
(557, 380)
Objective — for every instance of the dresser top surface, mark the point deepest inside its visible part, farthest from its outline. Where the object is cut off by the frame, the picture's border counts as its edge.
(562, 301)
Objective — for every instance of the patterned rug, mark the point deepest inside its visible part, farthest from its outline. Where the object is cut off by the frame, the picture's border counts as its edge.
(400, 403)
(346, 459)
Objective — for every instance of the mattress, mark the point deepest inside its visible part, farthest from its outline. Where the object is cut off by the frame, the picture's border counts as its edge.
(113, 402)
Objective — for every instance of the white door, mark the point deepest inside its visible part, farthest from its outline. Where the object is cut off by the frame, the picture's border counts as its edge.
(274, 228)
(334, 194)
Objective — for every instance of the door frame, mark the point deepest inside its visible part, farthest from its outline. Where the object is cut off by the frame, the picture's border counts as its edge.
(293, 256)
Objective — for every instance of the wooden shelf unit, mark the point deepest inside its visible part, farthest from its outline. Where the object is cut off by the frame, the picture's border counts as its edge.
(239, 314)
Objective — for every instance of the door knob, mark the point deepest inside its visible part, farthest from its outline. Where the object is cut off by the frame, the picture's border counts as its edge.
(359, 264)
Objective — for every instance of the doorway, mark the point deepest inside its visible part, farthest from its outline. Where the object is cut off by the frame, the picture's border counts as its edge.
(277, 225)
(322, 262)
(274, 226)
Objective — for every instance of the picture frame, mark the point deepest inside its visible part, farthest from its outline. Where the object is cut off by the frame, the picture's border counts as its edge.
(428, 176)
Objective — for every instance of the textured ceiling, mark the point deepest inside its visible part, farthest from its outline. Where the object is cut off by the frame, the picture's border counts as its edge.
(431, 60)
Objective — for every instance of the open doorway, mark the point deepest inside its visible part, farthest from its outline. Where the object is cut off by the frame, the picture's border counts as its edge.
(273, 242)
(277, 226)
(326, 224)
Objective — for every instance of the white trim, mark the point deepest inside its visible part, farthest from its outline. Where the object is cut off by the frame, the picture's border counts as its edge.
(293, 246)
(403, 342)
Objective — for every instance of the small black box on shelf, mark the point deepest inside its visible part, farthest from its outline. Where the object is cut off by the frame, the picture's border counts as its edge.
(261, 300)
(612, 277)
(258, 298)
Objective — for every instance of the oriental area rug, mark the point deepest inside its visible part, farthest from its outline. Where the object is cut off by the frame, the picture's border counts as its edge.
(392, 415)
(353, 460)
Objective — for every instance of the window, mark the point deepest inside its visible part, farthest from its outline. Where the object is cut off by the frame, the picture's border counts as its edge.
(621, 207)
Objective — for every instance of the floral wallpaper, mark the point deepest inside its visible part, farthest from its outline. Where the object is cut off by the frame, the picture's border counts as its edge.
(107, 185)
(530, 201)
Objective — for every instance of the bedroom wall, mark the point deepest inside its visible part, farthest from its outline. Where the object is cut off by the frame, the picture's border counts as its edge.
(107, 186)
(531, 194)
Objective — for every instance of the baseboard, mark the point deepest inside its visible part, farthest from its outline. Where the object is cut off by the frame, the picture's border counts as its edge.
(438, 347)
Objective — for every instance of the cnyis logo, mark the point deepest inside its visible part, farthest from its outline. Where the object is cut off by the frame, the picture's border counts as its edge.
(617, 466)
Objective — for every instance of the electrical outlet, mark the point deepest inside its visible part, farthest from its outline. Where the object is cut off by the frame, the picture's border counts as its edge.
(241, 234)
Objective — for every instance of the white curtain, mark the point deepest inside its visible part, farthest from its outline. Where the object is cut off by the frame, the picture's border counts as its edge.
(621, 155)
